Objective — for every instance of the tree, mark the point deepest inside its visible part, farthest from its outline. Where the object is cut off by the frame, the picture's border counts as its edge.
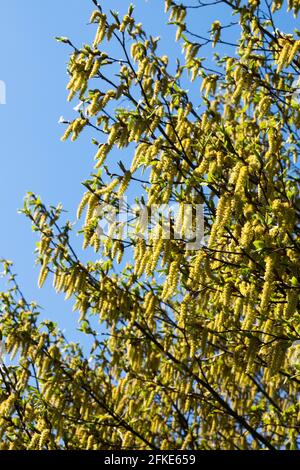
(197, 347)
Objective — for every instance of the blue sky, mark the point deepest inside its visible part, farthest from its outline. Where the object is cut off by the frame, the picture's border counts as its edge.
(33, 67)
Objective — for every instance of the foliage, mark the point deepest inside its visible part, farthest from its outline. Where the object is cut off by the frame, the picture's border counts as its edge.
(199, 345)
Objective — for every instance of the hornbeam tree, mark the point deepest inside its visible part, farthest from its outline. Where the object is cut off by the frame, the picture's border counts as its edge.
(191, 348)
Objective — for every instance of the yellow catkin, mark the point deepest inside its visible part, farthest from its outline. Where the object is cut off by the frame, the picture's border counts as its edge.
(124, 184)
(82, 204)
(278, 356)
(222, 217)
(100, 31)
(282, 60)
(291, 303)
(101, 155)
(172, 281)
(110, 187)
(268, 284)
(90, 443)
(95, 68)
(43, 276)
(44, 437)
(7, 406)
(34, 443)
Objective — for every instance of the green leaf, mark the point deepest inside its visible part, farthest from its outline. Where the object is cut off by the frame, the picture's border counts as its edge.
(259, 244)
(294, 281)
(62, 39)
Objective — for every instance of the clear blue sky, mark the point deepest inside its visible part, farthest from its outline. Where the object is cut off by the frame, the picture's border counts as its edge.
(33, 66)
